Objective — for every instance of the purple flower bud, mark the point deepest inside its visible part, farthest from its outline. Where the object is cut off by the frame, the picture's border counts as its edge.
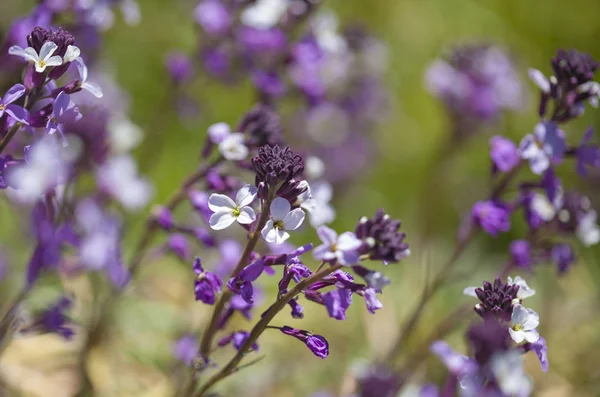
(53, 319)
(371, 300)
(297, 309)
(179, 245)
(496, 299)
(488, 338)
(491, 216)
(275, 165)
(563, 257)
(382, 239)
(242, 283)
(573, 68)
(163, 217)
(520, 251)
(238, 339)
(540, 349)
(588, 154)
(263, 126)
(504, 153)
(337, 302)
(316, 343)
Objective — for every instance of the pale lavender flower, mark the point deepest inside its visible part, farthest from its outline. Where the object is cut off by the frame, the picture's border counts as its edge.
(186, 349)
(337, 302)
(64, 111)
(503, 153)
(524, 324)
(545, 147)
(14, 111)
(213, 16)
(119, 177)
(342, 248)
(493, 217)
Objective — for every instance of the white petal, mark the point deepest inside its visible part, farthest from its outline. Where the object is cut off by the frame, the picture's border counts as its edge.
(221, 220)
(246, 195)
(543, 207)
(281, 236)
(519, 315)
(19, 52)
(470, 291)
(532, 336)
(540, 80)
(247, 216)
(29, 53)
(93, 89)
(269, 233)
(233, 148)
(280, 207)
(218, 132)
(348, 242)
(293, 219)
(517, 336)
(531, 321)
(323, 252)
(71, 54)
(47, 50)
(81, 69)
(220, 203)
(528, 148)
(54, 61)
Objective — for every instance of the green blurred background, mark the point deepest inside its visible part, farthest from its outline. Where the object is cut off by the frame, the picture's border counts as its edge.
(136, 360)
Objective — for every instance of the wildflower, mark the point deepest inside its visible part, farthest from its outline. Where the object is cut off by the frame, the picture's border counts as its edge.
(496, 299)
(371, 300)
(573, 67)
(14, 111)
(492, 216)
(186, 349)
(262, 125)
(343, 248)
(544, 147)
(233, 147)
(456, 363)
(42, 60)
(520, 251)
(213, 16)
(524, 323)
(64, 112)
(82, 83)
(337, 302)
(488, 339)
(316, 343)
(524, 291)
(316, 201)
(180, 67)
(242, 283)
(206, 285)
(275, 165)
(510, 375)
(53, 319)
(264, 14)
(375, 280)
(226, 211)
(541, 351)
(503, 153)
(282, 220)
(588, 154)
(381, 237)
(562, 256)
(587, 229)
(119, 177)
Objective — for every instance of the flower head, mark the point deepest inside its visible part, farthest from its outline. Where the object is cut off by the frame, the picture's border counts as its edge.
(382, 238)
(186, 349)
(213, 16)
(524, 291)
(283, 218)
(242, 283)
(53, 319)
(546, 146)
(226, 211)
(492, 216)
(487, 339)
(206, 285)
(42, 60)
(524, 324)
(573, 67)
(504, 153)
(496, 299)
(510, 375)
(262, 124)
(275, 165)
(520, 251)
(82, 83)
(64, 111)
(337, 302)
(342, 248)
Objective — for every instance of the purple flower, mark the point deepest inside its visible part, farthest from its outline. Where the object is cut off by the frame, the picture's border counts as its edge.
(562, 256)
(179, 245)
(342, 249)
(242, 283)
(237, 339)
(186, 349)
(206, 285)
(491, 216)
(180, 67)
(520, 251)
(455, 362)
(64, 112)
(504, 153)
(337, 302)
(588, 154)
(54, 319)
(213, 16)
(269, 83)
(541, 350)
(487, 339)
(14, 111)
(263, 126)
(163, 217)
(371, 300)
(230, 251)
(316, 343)
(546, 146)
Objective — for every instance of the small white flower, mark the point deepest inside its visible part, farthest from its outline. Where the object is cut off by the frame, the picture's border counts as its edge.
(124, 134)
(543, 207)
(470, 291)
(233, 148)
(510, 374)
(119, 176)
(275, 231)
(316, 201)
(218, 132)
(42, 60)
(524, 324)
(525, 291)
(314, 167)
(587, 229)
(90, 87)
(264, 14)
(226, 211)
(71, 54)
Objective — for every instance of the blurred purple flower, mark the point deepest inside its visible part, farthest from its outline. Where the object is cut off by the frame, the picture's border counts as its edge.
(493, 217)
(180, 67)
(65, 111)
(504, 153)
(520, 251)
(588, 154)
(54, 320)
(337, 302)
(186, 349)
(562, 256)
(206, 285)
(545, 147)
(237, 339)
(242, 283)
(213, 16)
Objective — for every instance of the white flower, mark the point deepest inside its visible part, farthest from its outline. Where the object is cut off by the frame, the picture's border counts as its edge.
(119, 176)
(282, 219)
(314, 167)
(124, 134)
(226, 211)
(587, 229)
(316, 202)
(525, 291)
(343, 248)
(510, 374)
(92, 88)
(71, 54)
(543, 207)
(524, 324)
(218, 132)
(42, 60)
(233, 148)
(264, 14)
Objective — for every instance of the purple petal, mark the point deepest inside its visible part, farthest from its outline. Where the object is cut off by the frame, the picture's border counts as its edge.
(14, 93)
(18, 113)
(252, 271)
(327, 235)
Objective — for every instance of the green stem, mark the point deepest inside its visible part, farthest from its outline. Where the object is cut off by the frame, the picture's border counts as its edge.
(260, 327)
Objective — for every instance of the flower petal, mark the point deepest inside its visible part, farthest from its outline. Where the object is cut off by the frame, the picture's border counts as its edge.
(54, 61)
(268, 232)
(517, 336)
(246, 195)
(540, 80)
(531, 321)
(221, 220)
(293, 219)
(348, 242)
(281, 236)
(14, 93)
(93, 89)
(327, 235)
(30, 54)
(71, 54)
(470, 291)
(220, 203)
(246, 216)
(47, 50)
(532, 336)
(323, 252)
(280, 207)
(18, 113)
(519, 315)
(18, 51)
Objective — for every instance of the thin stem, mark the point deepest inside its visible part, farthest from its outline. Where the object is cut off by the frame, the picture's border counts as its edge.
(260, 327)
(9, 136)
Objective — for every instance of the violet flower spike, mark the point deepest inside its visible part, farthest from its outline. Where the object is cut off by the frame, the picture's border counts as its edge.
(14, 111)
(343, 248)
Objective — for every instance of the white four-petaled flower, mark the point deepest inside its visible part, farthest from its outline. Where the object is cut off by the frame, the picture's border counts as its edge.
(282, 219)
(343, 248)
(525, 291)
(226, 211)
(42, 60)
(233, 148)
(90, 87)
(524, 324)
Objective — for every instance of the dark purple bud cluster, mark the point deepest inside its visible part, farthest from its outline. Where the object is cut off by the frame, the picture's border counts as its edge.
(382, 238)
(279, 168)
(496, 299)
(262, 125)
(62, 38)
(573, 68)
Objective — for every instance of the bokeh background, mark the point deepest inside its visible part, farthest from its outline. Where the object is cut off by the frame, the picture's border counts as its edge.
(136, 358)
